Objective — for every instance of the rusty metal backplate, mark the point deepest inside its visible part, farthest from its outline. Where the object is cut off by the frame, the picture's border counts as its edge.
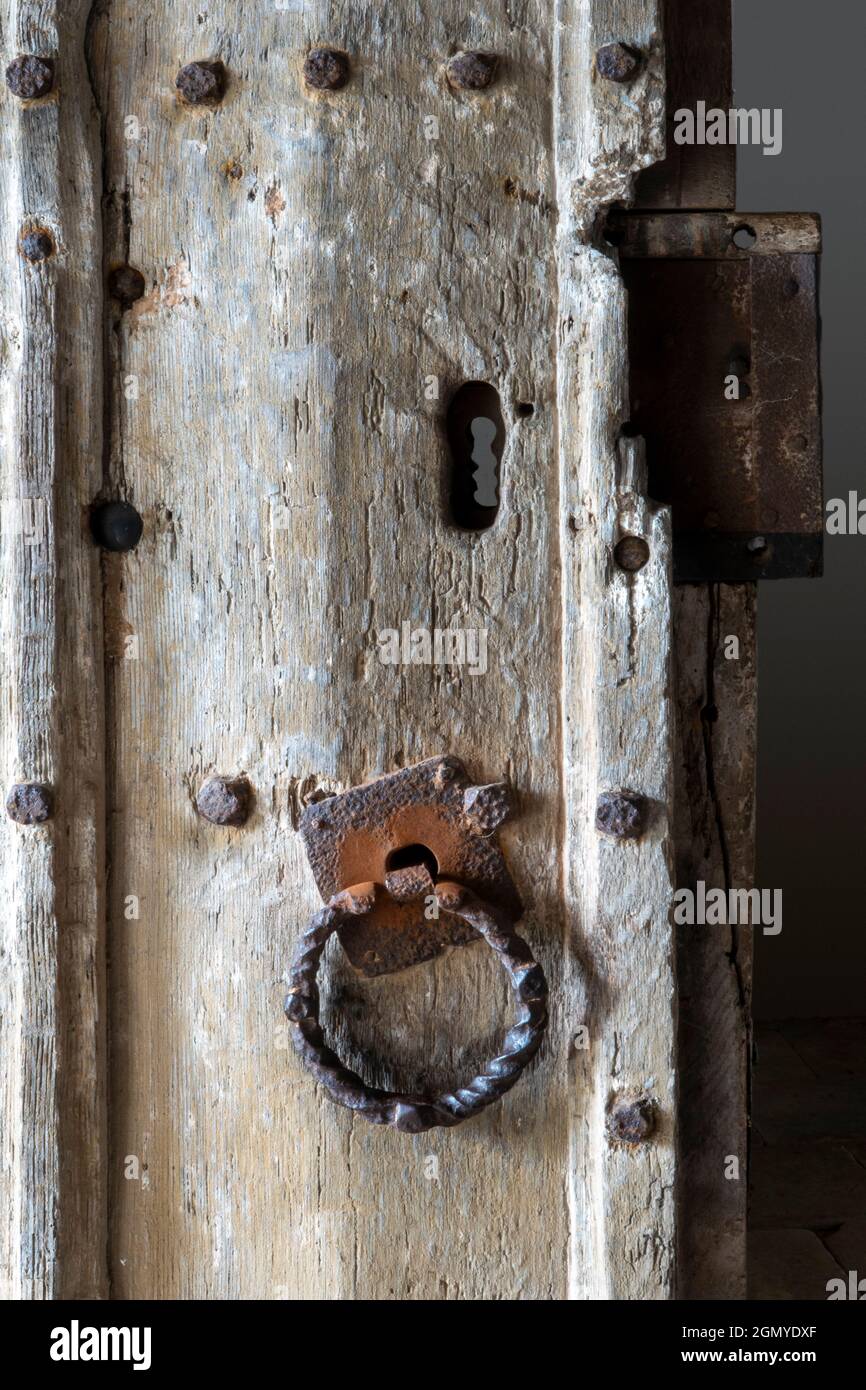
(352, 838)
(743, 476)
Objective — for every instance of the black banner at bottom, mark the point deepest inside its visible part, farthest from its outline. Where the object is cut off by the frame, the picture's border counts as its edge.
(159, 1339)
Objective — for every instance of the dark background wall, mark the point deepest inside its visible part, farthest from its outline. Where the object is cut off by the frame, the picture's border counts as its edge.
(806, 57)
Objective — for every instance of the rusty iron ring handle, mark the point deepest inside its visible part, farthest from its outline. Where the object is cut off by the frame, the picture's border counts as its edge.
(414, 1113)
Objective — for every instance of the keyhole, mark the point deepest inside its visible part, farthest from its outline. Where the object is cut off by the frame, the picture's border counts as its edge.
(476, 436)
(407, 856)
(483, 432)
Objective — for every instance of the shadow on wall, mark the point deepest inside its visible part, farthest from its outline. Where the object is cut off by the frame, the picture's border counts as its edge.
(812, 634)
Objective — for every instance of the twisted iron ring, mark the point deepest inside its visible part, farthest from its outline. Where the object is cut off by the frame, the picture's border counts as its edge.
(415, 1113)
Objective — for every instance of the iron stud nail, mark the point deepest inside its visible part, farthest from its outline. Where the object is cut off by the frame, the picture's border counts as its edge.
(472, 71)
(617, 62)
(225, 800)
(631, 553)
(126, 284)
(624, 815)
(30, 77)
(326, 69)
(37, 245)
(29, 803)
(202, 83)
(116, 526)
(631, 1121)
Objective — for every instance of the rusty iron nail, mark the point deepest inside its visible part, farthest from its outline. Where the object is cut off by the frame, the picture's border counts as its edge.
(29, 76)
(485, 808)
(37, 244)
(617, 62)
(225, 800)
(357, 900)
(326, 69)
(405, 885)
(201, 83)
(116, 526)
(472, 71)
(631, 1121)
(126, 284)
(631, 553)
(29, 803)
(622, 814)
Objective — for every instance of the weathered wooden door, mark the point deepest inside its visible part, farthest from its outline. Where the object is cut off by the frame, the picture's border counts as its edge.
(239, 299)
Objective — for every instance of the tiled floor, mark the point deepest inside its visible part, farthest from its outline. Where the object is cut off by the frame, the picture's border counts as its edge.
(807, 1220)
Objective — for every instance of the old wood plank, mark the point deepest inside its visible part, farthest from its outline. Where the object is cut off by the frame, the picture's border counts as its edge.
(715, 833)
(314, 264)
(618, 715)
(328, 258)
(698, 67)
(52, 1124)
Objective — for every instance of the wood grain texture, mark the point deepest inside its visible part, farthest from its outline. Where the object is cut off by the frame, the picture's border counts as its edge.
(312, 261)
(698, 67)
(52, 1123)
(715, 837)
(321, 272)
(618, 718)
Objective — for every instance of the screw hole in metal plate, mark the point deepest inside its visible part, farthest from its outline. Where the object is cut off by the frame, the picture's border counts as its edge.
(744, 237)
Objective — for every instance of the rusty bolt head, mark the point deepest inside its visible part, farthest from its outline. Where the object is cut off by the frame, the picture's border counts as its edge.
(225, 800)
(617, 62)
(29, 803)
(30, 77)
(326, 69)
(415, 881)
(126, 284)
(631, 1121)
(37, 245)
(631, 553)
(623, 814)
(485, 808)
(358, 899)
(472, 72)
(202, 84)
